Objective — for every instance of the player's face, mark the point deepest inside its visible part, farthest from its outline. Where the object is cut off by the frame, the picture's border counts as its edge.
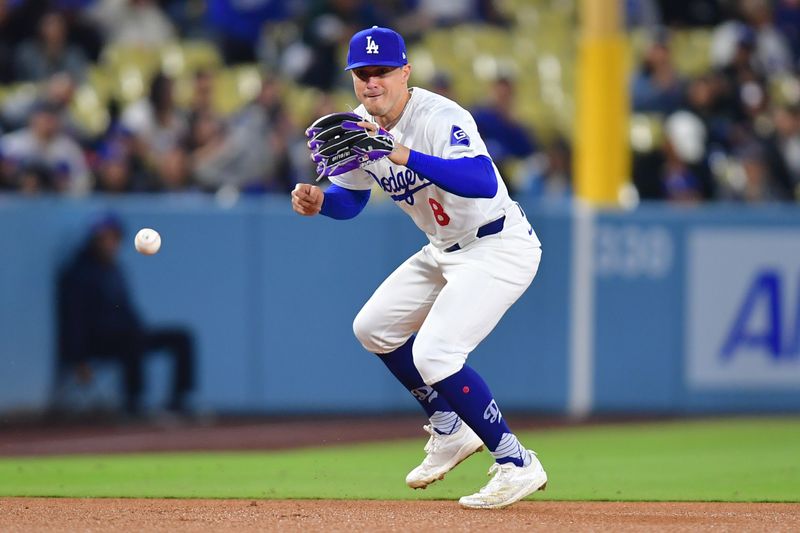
(382, 90)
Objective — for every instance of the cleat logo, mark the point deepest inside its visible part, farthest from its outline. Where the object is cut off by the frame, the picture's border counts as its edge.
(492, 413)
(425, 393)
(372, 46)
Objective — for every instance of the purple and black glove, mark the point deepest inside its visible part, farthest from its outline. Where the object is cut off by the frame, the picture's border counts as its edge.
(375, 145)
(338, 144)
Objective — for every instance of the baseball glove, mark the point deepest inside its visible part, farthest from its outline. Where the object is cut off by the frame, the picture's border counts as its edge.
(338, 144)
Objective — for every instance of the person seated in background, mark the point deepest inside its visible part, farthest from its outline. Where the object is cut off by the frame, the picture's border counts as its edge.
(174, 171)
(787, 21)
(772, 48)
(657, 86)
(156, 121)
(114, 172)
(7, 44)
(202, 99)
(325, 29)
(59, 90)
(159, 129)
(442, 83)
(682, 174)
(116, 165)
(39, 58)
(251, 154)
(549, 177)
(207, 134)
(239, 26)
(57, 159)
(506, 138)
(782, 150)
(97, 320)
(132, 22)
(756, 184)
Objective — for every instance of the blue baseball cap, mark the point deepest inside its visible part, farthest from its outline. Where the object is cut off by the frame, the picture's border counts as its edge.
(105, 221)
(379, 47)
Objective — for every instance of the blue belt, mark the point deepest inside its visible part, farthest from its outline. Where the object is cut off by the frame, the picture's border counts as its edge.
(490, 228)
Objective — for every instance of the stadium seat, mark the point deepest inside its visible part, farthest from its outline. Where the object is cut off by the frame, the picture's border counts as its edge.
(101, 81)
(235, 86)
(184, 58)
(184, 87)
(345, 99)
(784, 90)
(130, 68)
(646, 132)
(90, 110)
(425, 66)
(300, 102)
(691, 50)
(119, 56)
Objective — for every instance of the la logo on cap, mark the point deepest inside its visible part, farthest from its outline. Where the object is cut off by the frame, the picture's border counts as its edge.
(372, 46)
(384, 47)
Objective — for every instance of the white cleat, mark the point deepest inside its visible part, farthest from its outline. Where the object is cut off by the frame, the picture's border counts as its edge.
(445, 452)
(510, 484)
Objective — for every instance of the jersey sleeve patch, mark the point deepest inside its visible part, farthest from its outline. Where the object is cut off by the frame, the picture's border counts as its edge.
(458, 136)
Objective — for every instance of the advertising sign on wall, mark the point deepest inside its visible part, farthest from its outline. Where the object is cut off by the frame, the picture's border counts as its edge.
(743, 309)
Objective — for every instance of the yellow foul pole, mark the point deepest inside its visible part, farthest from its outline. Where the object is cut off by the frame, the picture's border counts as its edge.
(602, 160)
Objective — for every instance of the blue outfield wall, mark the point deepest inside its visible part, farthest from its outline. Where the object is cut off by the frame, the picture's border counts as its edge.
(270, 296)
(692, 310)
(674, 286)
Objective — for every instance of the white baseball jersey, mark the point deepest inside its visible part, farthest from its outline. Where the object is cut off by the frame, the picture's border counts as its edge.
(437, 126)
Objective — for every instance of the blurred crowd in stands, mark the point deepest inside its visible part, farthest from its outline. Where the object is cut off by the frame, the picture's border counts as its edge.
(729, 132)
(733, 131)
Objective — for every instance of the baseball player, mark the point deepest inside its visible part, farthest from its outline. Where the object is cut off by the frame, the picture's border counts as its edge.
(424, 151)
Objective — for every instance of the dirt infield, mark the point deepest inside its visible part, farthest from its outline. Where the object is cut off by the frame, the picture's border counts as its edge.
(32, 514)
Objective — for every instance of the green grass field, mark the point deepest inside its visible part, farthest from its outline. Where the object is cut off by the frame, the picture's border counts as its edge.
(720, 460)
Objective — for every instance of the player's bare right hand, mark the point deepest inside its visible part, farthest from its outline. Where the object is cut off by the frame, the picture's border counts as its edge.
(307, 199)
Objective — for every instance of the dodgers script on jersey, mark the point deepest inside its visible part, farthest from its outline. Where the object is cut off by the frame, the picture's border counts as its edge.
(433, 125)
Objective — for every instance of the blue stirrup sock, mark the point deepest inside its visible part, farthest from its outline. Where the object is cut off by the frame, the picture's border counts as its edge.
(401, 363)
(473, 402)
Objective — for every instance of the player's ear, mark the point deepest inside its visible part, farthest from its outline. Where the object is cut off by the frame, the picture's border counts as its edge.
(406, 71)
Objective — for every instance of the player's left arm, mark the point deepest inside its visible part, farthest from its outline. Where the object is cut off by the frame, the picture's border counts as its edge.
(471, 177)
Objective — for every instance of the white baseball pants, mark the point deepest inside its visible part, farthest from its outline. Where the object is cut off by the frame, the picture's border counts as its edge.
(451, 300)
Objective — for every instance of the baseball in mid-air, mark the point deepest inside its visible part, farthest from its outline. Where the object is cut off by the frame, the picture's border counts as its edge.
(147, 241)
